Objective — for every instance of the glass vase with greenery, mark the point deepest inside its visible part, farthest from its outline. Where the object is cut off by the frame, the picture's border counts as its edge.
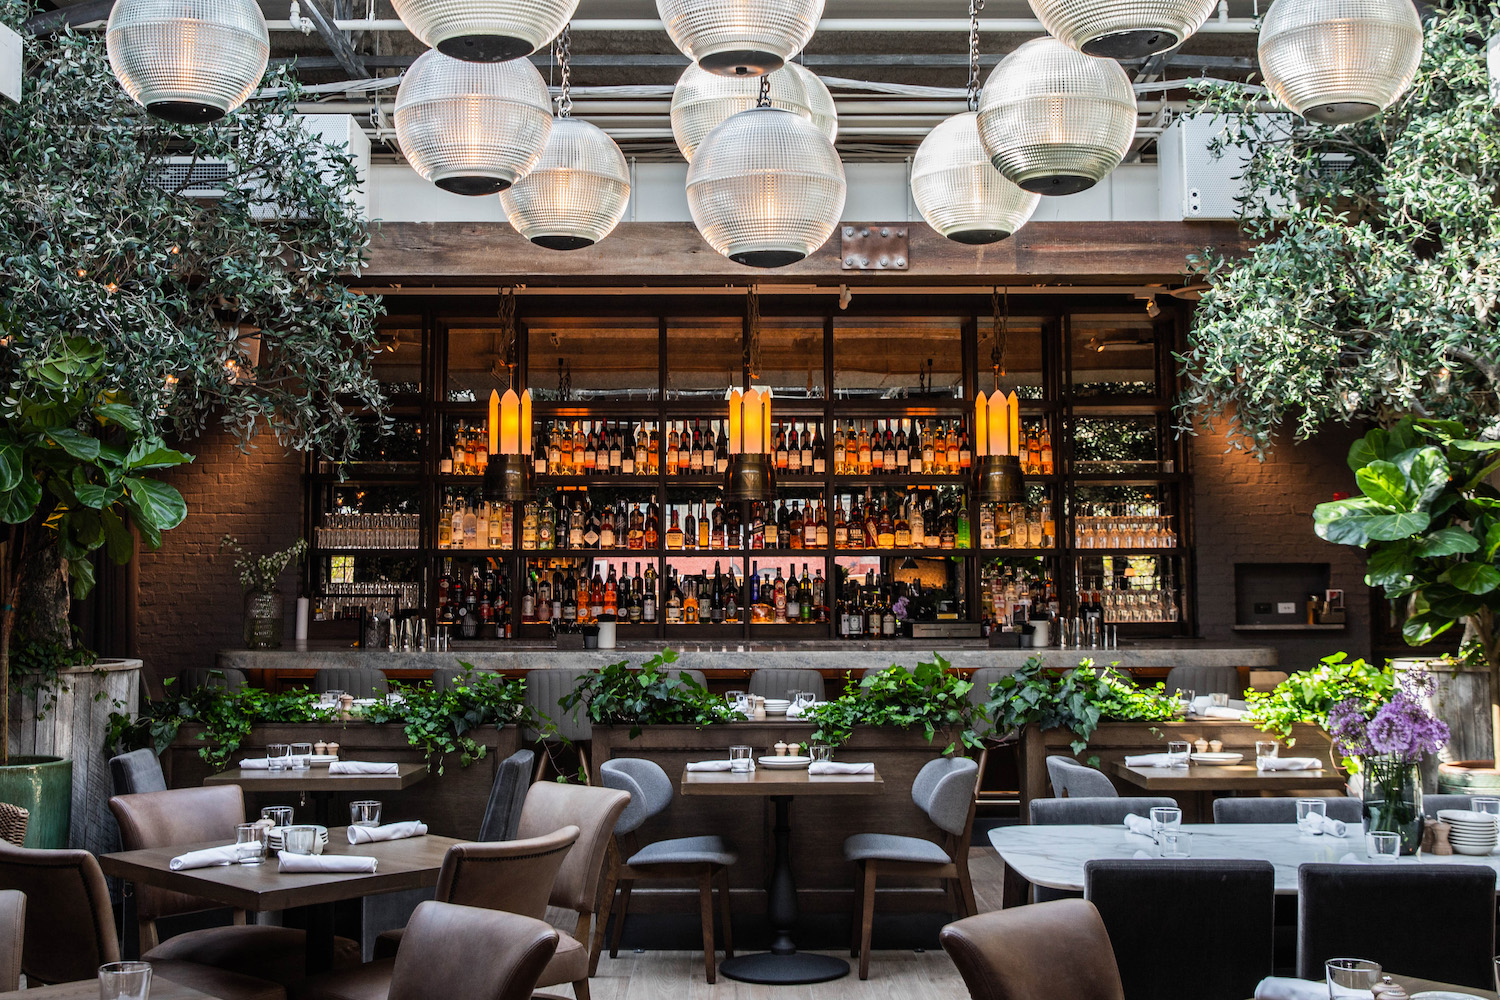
(265, 609)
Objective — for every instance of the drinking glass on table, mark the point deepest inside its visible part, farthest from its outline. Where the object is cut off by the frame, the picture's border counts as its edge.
(1310, 814)
(1266, 750)
(739, 758)
(300, 754)
(365, 812)
(1178, 753)
(1382, 847)
(1489, 806)
(250, 843)
(1219, 699)
(125, 981)
(278, 815)
(300, 839)
(278, 756)
(736, 700)
(820, 751)
(1351, 977)
(1176, 844)
(1165, 818)
(1187, 696)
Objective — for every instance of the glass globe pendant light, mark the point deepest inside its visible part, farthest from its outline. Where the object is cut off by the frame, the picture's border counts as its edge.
(702, 101)
(825, 113)
(188, 61)
(766, 188)
(485, 30)
(578, 193)
(1340, 61)
(953, 183)
(1122, 29)
(740, 37)
(472, 128)
(1054, 120)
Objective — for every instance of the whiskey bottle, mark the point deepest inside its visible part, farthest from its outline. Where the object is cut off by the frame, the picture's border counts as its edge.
(721, 451)
(840, 527)
(820, 532)
(690, 530)
(917, 525)
(839, 468)
(819, 453)
(672, 451)
(795, 524)
(809, 527)
(1046, 448)
(779, 598)
(717, 536)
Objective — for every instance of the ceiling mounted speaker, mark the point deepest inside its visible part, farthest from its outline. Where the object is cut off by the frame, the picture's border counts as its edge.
(703, 101)
(959, 192)
(740, 37)
(825, 114)
(1122, 29)
(188, 61)
(1054, 120)
(472, 128)
(1340, 61)
(577, 194)
(766, 188)
(485, 30)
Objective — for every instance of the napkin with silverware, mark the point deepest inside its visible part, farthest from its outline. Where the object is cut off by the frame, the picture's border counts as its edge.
(1155, 760)
(1282, 988)
(362, 767)
(206, 858)
(1139, 824)
(330, 864)
(255, 764)
(1290, 764)
(1319, 824)
(711, 765)
(391, 831)
(839, 767)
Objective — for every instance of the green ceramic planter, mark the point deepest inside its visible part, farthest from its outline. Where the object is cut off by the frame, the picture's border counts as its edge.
(44, 786)
(1469, 777)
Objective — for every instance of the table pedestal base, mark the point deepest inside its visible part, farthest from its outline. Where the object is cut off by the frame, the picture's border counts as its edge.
(784, 970)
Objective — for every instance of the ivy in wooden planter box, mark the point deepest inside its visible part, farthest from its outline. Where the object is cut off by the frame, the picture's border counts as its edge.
(929, 697)
(622, 695)
(1077, 700)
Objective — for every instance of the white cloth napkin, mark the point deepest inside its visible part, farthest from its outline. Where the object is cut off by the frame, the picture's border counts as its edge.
(1279, 988)
(1223, 713)
(206, 858)
(795, 712)
(1138, 824)
(839, 767)
(1143, 856)
(255, 764)
(1322, 824)
(1291, 764)
(362, 767)
(324, 863)
(711, 765)
(1153, 760)
(391, 831)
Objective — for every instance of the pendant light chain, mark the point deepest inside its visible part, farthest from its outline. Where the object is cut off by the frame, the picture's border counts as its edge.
(752, 348)
(565, 69)
(1002, 317)
(975, 6)
(764, 101)
(507, 345)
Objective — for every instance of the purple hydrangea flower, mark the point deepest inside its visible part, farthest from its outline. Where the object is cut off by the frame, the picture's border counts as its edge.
(1349, 729)
(1404, 728)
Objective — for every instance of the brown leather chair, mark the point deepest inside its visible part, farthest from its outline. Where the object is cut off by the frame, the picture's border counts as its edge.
(184, 816)
(450, 952)
(514, 875)
(1037, 952)
(594, 811)
(12, 938)
(70, 928)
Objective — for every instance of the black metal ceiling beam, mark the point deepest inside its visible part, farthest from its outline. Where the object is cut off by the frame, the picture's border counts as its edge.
(338, 43)
(70, 17)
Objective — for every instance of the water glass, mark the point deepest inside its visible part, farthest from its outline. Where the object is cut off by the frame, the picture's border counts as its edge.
(1179, 753)
(250, 843)
(1266, 750)
(300, 839)
(1351, 977)
(1383, 847)
(366, 812)
(278, 756)
(278, 815)
(1310, 814)
(1187, 695)
(736, 700)
(1165, 818)
(1219, 699)
(1176, 844)
(125, 981)
(300, 753)
(821, 751)
(739, 759)
(1489, 806)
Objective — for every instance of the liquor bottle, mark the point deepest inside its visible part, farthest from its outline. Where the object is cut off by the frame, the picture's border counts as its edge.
(445, 529)
(721, 450)
(622, 524)
(947, 529)
(779, 457)
(987, 517)
(674, 601)
(733, 537)
(917, 525)
(1046, 445)
(903, 452)
(529, 527)
(705, 531)
(672, 451)
(839, 468)
(820, 532)
(871, 524)
(596, 594)
(684, 450)
(640, 453)
(607, 529)
(819, 453)
(690, 608)
(891, 467)
(955, 463)
(809, 528)
(590, 450)
(648, 596)
(653, 529)
(914, 444)
(795, 536)
(570, 598)
(717, 538)
(689, 529)
(635, 537)
(1033, 453)
(616, 451)
(820, 594)
(546, 527)
(840, 527)
(754, 583)
(792, 603)
(885, 532)
(611, 605)
(877, 452)
(929, 455)
(805, 595)
(707, 459)
(793, 452)
(732, 597)
(554, 452)
(695, 452)
(903, 527)
(716, 599)
(778, 592)
(864, 453)
(653, 453)
(807, 450)
(961, 534)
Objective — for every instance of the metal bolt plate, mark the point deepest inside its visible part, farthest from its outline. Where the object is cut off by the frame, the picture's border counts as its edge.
(874, 247)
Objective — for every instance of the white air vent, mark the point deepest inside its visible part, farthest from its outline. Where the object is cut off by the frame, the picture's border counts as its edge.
(10, 64)
(1195, 183)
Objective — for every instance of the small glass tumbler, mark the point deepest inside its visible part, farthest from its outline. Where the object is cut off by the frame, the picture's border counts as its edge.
(125, 981)
(1176, 844)
(1219, 699)
(1165, 819)
(1383, 847)
(1489, 806)
(1179, 753)
(250, 843)
(301, 752)
(820, 752)
(736, 700)
(739, 758)
(1310, 814)
(299, 839)
(366, 812)
(1351, 977)
(1266, 750)
(278, 815)
(1187, 695)
(278, 756)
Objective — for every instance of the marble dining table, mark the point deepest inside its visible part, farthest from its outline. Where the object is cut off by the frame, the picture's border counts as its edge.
(1054, 856)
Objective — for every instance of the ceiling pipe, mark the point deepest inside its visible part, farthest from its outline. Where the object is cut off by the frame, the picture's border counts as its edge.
(1003, 25)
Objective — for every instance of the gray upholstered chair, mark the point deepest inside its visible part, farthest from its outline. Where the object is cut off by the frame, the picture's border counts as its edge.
(983, 679)
(1432, 803)
(944, 790)
(1072, 780)
(502, 815)
(12, 938)
(1206, 680)
(197, 678)
(1281, 810)
(545, 689)
(1093, 812)
(1041, 952)
(447, 678)
(361, 682)
(704, 860)
(137, 771)
(1222, 958)
(783, 682)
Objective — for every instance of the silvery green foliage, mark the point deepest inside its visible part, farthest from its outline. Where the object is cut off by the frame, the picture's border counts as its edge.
(1373, 292)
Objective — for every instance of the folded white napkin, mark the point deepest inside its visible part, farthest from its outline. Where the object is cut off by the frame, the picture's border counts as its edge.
(1138, 824)
(206, 858)
(1323, 825)
(1153, 760)
(1143, 856)
(1278, 988)
(361, 767)
(1199, 704)
(795, 712)
(255, 764)
(391, 831)
(1223, 713)
(324, 863)
(1291, 764)
(711, 765)
(839, 767)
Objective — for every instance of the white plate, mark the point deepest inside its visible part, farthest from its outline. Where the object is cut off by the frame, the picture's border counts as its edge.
(776, 711)
(780, 703)
(1218, 758)
(1473, 852)
(785, 763)
(1464, 816)
(322, 759)
(1443, 995)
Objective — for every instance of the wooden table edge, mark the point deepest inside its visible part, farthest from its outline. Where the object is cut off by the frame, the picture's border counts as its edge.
(725, 784)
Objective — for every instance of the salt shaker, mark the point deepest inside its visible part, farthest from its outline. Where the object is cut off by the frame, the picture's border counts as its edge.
(780, 749)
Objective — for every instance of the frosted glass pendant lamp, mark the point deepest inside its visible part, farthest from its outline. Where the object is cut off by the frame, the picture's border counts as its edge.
(740, 37)
(188, 61)
(485, 30)
(1122, 29)
(702, 101)
(958, 190)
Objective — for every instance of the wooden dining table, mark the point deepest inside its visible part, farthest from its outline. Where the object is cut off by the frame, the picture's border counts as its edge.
(88, 989)
(319, 784)
(1196, 787)
(412, 863)
(783, 965)
(1413, 987)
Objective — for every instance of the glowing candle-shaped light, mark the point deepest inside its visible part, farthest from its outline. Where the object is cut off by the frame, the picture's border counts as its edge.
(1013, 409)
(526, 422)
(765, 421)
(981, 428)
(494, 422)
(510, 423)
(999, 434)
(752, 422)
(736, 422)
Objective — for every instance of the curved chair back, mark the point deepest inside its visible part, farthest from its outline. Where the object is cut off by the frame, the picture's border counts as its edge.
(1206, 680)
(176, 816)
(361, 682)
(1038, 952)
(595, 811)
(447, 678)
(14, 820)
(137, 771)
(648, 786)
(1219, 959)
(1283, 810)
(944, 790)
(12, 938)
(502, 814)
(1432, 803)
(197, 678)
(783, 682)
(696, 676)
(545, 689)
(1093, 812)
(70, 929)
(1072, 780)
(515, 876)
(452, 951)
(1447, 928)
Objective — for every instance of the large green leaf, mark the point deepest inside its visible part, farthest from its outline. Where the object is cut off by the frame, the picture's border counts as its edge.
(119, 414)
(1426, 471)
(1391, 527)
(1424, 627)
(1345, 522)
(1385, 483)
(156, 504)
(12, 467)
(1450, 602)
(1492, 542)
(118, 541)
(1448, 542)
(81, 446)
(1390, 565)
(1475, 577)
(1373, 447)
(19, 504)
(152, 455)
(98, 497)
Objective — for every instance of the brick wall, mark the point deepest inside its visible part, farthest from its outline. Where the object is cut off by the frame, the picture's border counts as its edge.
(1253, 512)
(189, 603)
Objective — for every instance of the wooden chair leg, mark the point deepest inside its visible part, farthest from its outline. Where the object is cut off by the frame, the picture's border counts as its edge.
(867, 920)
(725, 917)
(606, 904)
(859, 909)
(614, 937)
(239, 918)
(148, 935)
(541, 765)
(706, 911)
(581, 989)
(966, 888)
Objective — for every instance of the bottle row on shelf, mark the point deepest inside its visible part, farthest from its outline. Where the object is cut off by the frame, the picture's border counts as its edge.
(878, 608)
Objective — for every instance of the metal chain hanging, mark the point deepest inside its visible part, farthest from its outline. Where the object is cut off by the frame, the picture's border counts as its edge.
(1001, 318)
(764, 100)
(975, 6)
(565, 70)
(752, 347)
(505, 347)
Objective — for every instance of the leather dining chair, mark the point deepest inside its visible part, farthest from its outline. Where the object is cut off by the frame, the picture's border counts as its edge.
(1206, 680)
(70, 928)
(12, 938)
(502, 813)
(944, 790)
(137, 771)
(1093, 811)
(1046, 951)
(1282, 810)
(1072, 780)
(704, 860)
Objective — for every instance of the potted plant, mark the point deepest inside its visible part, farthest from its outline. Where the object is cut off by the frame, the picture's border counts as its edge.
(1429, 518)
(929, 697)
(1308, 696)
(622, 695)
(265, 608)
(1074, 701)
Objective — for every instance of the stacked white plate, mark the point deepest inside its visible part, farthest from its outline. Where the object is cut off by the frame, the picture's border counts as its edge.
(274, 838)
(777, 706)
(1471, 833)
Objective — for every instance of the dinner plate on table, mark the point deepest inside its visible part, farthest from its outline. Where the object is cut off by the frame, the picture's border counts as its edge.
(322, 759)
(1218, 758)
(1444, 995)
(786, 763)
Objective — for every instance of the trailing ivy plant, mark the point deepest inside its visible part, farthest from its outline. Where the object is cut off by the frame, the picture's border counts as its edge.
(1306, 696)
(1075, 700)
(1373, 288)
(929, 697)
(440, 723)
(622, 695)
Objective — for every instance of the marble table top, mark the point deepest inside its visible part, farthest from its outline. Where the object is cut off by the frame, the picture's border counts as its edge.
(1054, 856)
